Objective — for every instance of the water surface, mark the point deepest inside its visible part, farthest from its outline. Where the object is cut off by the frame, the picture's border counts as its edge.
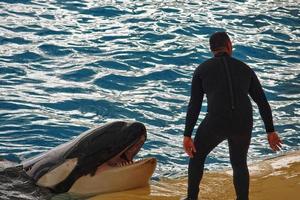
(67, 66)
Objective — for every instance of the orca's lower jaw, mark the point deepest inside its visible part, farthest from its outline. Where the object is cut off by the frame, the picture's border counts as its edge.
(115, 179)
(124, 158)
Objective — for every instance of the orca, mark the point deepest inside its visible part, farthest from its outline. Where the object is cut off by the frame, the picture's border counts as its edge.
(98, 161)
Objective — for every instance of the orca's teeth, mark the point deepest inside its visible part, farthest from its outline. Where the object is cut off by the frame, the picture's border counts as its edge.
(122, 164)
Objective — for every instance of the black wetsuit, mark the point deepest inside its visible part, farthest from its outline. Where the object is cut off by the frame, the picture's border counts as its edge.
(226, 82)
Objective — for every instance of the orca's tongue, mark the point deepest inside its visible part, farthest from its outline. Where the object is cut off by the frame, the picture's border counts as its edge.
(125, 157)
(134, 149)
(115, 161)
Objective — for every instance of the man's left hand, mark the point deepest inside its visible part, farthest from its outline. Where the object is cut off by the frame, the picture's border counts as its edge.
(274, 141)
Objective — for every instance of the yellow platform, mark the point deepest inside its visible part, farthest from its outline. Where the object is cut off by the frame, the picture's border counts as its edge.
(272, 179)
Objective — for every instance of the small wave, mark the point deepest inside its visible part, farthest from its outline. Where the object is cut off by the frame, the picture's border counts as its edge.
(105, 11)
(55, 50)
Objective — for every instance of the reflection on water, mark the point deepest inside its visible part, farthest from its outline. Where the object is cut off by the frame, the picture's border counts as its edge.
(66, 66)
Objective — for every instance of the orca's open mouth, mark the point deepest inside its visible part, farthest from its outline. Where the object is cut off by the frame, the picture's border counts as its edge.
(125, 158)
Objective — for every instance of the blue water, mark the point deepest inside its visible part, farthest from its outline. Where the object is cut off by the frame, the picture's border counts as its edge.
(67, 66)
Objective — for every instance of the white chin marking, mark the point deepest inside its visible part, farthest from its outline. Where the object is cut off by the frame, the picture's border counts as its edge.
(58, 174)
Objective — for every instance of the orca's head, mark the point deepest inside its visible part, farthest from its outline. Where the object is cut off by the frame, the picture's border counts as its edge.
(113, 144)
(86, 158)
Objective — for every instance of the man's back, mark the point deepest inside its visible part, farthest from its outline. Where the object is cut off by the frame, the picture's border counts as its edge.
(226, 82)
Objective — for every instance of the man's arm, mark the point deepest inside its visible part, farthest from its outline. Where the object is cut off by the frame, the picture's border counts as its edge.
(257, 94)
(193, 111)
(194, 105)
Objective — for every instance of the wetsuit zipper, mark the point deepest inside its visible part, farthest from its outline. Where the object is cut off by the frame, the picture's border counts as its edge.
(229, 81)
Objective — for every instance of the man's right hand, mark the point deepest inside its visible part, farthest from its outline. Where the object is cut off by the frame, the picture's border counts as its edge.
(274, 141)
(189, 147)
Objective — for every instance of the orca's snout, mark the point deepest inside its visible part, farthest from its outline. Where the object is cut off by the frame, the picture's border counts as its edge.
(139, 128)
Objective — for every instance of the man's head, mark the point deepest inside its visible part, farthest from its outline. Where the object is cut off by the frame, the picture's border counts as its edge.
(220, 42)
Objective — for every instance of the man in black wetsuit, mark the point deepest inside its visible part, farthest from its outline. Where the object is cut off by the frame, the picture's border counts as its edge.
(226, 82)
